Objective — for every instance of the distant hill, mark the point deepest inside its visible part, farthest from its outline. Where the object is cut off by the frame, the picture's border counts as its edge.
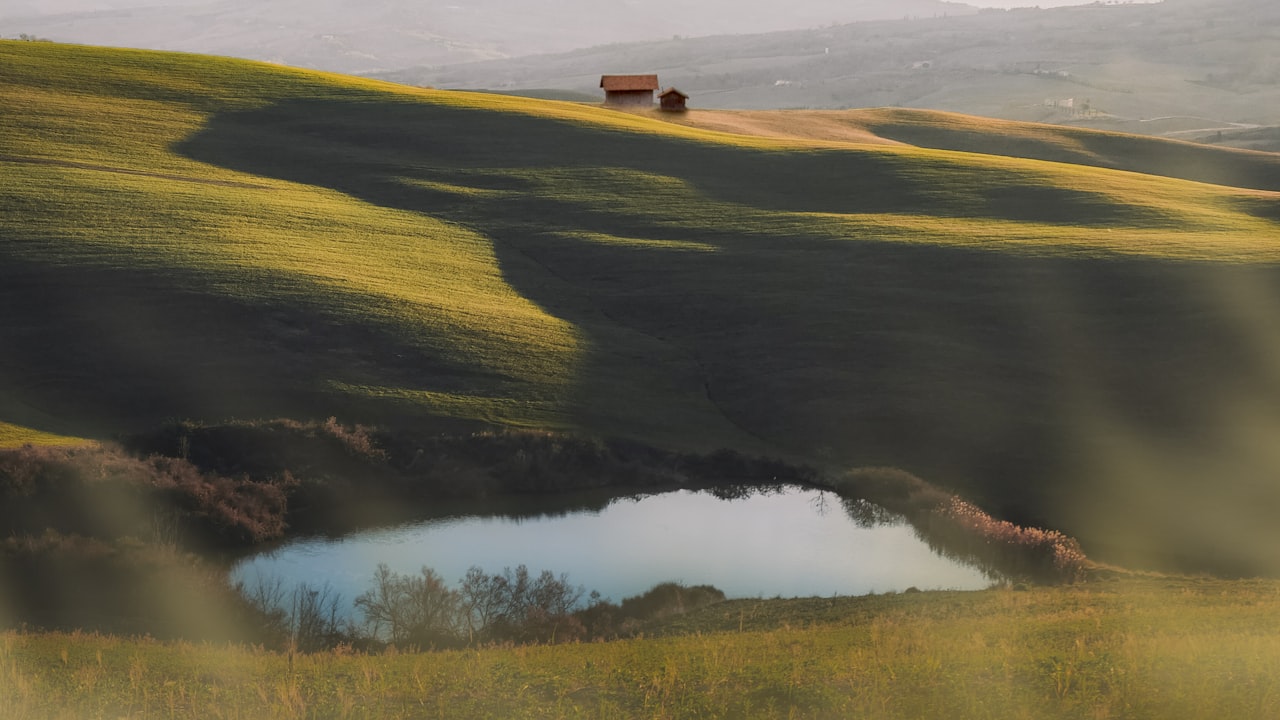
(357, 37)
(965, 133)
(1197, 69)
(1076, 346)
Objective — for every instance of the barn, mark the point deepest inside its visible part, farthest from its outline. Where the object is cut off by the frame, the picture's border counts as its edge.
(629, 90)
(673, 100)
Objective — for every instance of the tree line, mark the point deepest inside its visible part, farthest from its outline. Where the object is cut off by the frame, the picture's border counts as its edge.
(420, 610)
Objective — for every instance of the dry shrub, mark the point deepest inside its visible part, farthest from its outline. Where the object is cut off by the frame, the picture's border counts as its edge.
(357, 439)
(228, 511)
(669, 598)
(1008, 549)
(960, 529)
(101, 491)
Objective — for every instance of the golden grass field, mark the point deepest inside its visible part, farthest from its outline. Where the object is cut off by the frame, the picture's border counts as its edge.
(1134, 649)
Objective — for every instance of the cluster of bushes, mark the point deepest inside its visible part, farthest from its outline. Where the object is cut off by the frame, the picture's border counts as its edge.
(421, 610)
(103, 492)
(961, 530)
(340, 477)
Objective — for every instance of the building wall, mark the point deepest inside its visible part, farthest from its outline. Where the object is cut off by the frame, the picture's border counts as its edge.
(634, 97)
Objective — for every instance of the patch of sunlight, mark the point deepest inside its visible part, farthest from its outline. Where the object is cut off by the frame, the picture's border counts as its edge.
(508, 411)
(454, 189)
(15, 436)
(639, 243)
(1248, 243)
(441, 282)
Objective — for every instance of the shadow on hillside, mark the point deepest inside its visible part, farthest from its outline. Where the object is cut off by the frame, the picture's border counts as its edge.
(1153, 156)
(108, 350)
(352, 146)
(1054, 391)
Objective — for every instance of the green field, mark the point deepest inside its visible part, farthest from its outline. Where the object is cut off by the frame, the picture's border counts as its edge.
(1062, 339)
(1074, 346)
(1137, 649)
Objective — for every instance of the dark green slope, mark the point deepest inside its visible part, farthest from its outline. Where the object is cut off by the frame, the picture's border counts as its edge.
(1006, 374)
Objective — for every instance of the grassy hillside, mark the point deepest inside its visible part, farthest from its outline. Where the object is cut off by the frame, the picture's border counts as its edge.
(17, 436)
(966, 133)
(1138, 650)
(192, 237)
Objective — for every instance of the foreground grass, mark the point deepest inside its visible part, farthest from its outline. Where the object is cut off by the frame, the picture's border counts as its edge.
(1134, 648)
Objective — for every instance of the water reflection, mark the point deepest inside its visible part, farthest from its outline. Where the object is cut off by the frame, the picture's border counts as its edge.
(788, 542)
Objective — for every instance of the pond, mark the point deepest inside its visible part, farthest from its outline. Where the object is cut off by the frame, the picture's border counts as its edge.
(789, 542)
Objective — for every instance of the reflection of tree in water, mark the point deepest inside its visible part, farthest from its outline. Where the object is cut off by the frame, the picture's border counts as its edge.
(867, 514)
(745, 491)
(820, 504)
(959, 530)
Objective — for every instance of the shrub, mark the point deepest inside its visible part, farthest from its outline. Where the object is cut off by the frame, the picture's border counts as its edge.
(101, 491)
(667, 599)
(960, 529)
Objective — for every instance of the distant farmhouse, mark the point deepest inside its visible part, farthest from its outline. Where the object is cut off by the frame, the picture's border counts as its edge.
(629, 90)
(637, 91)
(673, 100)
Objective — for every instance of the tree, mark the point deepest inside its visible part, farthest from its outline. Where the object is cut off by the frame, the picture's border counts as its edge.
(314, 620)
(380, 606)
(431, 609)
(515, 605)
(482, 598)
(306, 619)
(417, 609)
(554, 595)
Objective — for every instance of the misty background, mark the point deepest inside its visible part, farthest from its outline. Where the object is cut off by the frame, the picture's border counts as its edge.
(1199, 70)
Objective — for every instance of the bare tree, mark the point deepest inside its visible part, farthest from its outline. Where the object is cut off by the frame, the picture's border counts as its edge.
(314, 620)
(482, 599)
(410, 608)
(306, 619)
(431, 608)
(554, 595)
(380, 606)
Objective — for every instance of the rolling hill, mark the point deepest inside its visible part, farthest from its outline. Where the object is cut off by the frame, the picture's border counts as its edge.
(967, 133)
(1083, 347)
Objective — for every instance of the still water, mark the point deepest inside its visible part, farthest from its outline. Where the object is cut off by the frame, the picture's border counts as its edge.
(789, 543)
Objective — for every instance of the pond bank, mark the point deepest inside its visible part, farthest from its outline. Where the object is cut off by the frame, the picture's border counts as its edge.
(223, 491)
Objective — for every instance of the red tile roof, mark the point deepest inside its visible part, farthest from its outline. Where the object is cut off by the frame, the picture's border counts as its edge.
(672, 91)
(625, 83)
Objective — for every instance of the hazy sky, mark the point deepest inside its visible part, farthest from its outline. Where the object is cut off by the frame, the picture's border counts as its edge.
(1029, 3)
